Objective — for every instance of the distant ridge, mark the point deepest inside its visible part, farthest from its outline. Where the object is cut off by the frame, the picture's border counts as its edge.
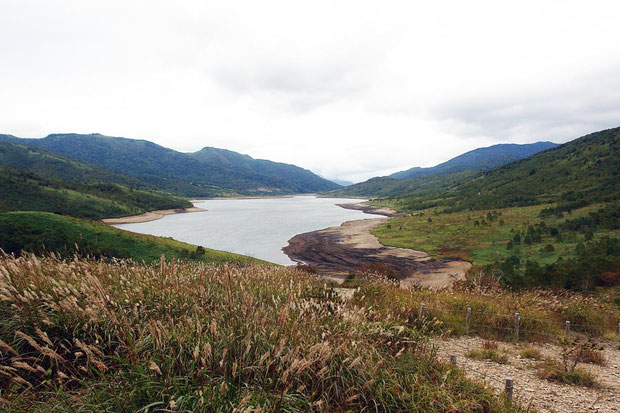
(479, 159)
(208, 172)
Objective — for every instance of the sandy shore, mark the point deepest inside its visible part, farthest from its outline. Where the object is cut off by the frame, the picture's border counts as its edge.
(337, 251)
(371, 209)
(149, 216)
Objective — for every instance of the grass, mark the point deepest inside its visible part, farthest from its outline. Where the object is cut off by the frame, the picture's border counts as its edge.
(542, 312)
(81, 335)
(531, 353)
(554, 371)
(471, 236)
(488, 354)
(41, 231)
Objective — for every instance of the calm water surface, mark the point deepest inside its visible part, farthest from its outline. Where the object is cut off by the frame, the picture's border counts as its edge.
(255, 227)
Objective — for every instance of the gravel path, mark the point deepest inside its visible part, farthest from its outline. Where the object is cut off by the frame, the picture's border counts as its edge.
(530, 390)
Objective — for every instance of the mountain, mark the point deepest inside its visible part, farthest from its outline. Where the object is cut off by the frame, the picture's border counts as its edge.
(581, 172)
(266, 173)
(208, 172)
(479, 159)
(341, 182)
(416, 181)
(17, 155)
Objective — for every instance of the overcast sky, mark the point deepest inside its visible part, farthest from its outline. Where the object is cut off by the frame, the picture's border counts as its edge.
(348, 89)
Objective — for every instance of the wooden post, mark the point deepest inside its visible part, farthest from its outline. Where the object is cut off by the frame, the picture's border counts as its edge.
(453, 359)
(421, 311)
(467, 321)
(567, 327)
(517, 318)
(509, 388)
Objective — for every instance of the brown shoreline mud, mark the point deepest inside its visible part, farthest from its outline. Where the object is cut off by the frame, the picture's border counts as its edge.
(149, 216)
(338, 251)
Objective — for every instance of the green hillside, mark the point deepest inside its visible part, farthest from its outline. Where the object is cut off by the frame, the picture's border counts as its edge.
(210, 172)
(577, 173)
(580, 172)
(41, 232)
(28, 158)
(479, 159)
(23, 191)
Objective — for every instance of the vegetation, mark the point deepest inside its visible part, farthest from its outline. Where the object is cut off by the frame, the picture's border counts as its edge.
(22, 191)
(567, 371)
(583, 171)
(41, 232)
(531, 353)
(542, 312)
(479, 159)
(524, 247)
(553, 370)
(209, 172)
(116, 336)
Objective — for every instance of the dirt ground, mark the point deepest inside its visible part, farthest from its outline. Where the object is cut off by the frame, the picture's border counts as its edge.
(532, 391)
(337, 251)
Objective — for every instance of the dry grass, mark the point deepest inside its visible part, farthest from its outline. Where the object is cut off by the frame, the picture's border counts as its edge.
(553, 370)
(531, 353)
(81, 336)
(542, 312)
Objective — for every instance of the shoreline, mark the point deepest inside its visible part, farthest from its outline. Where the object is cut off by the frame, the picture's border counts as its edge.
(372, 209)
(149, 216)
(338, 251)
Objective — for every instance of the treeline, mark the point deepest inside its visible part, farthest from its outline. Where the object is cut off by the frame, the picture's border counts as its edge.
(593, 262)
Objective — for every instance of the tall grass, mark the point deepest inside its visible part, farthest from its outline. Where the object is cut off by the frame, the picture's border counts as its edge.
(543, 313)
(81, 335)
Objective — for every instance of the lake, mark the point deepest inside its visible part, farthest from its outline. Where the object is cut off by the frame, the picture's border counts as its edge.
(258, 227)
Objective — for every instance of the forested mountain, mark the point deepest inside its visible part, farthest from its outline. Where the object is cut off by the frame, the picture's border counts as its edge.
(582, 171)
(209, 172)
(479, 159)
(28, 158)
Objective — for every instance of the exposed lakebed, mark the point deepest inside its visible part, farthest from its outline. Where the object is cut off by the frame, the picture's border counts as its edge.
(259, 227)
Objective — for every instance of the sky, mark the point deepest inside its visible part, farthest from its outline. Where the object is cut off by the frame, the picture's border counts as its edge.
(348, 89)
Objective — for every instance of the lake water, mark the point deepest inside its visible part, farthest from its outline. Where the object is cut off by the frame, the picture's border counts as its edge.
(256, 227)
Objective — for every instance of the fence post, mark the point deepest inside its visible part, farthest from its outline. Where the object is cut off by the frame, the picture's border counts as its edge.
(509, 388)
(567, 328)
(421, 311)
(467, 321)
(453, 359)
(517, 318)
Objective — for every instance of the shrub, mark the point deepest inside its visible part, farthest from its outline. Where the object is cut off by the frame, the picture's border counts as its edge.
(552, 370)
(531, 353)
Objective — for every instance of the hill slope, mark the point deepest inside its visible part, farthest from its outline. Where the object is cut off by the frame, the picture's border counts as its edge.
(23, 191)
(16, 155)
(416, 181)
(479, 159)
(582, 171)
(41, 232)
(209, 172)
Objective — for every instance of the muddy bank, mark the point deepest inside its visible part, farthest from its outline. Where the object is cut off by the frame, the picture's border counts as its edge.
(149, 216)
(375, 210)
(337, 251)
